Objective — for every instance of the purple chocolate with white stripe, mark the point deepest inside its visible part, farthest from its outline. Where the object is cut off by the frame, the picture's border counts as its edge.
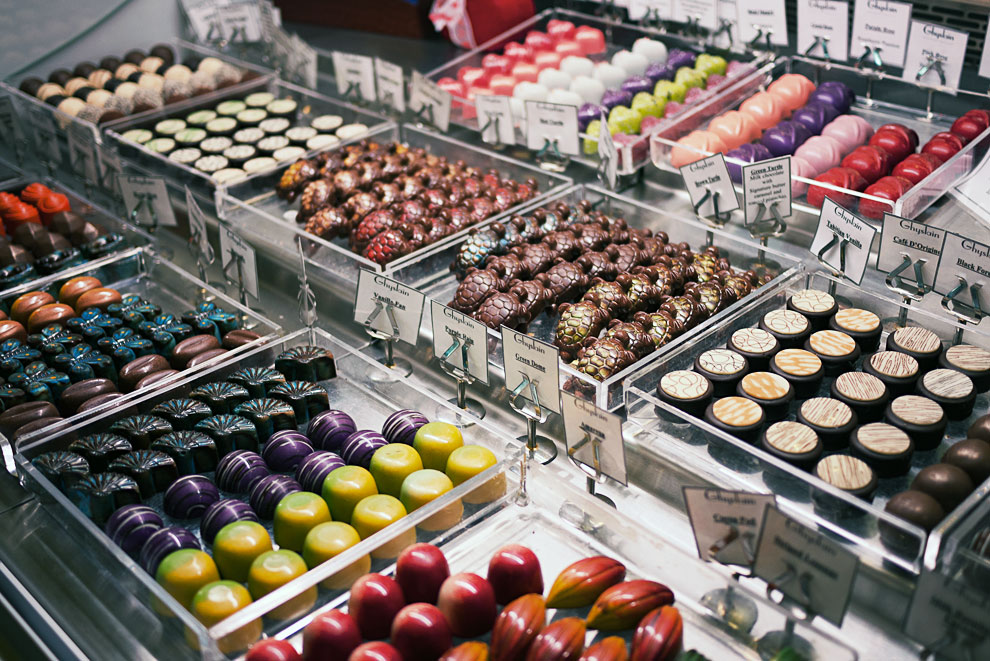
(163, 542)
(329, 430)
(239, 470)
(268, 491)
(678, 58)
(189, 496)
(657, 71)
(401, 426)
(131, 526)
(285, 449)
(313, 470)
(221, 513)
(360, 445)
(636, 84)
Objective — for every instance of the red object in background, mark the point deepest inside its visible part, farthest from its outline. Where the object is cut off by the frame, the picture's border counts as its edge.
(34, 192)
(985, 114)
(869, 161)
(51, 204)
(942, 147)
(910, 134)
(469, 23)
(969, 126)
(890, 188)
(843, 178)
(559, 30)
(271, 649)
(518, 52)
(916, 167)
(897, 143)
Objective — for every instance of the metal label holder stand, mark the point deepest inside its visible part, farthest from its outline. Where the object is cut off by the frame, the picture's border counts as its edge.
(463, 378)
(204, 259)
(538, 447)
(594, 473)
(965, 313)
(763, 229)
(908, 293)
(398, 366)
(306, 299)
(550, 158)
(237, 261)
(716, 220)
(871, 54)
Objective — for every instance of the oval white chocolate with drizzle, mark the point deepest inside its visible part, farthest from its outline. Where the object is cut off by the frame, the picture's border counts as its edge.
(919, 340)
(721, 361)
(845, 472)
(969, 358)
(754, 340)
(791, 437)
(826, 412)
(832, 343)
(812, 300)
(860, 386)
(785, 322)
(798, 362)
(949, 384)
(765, 385)
(857, 320)
(684, 384)
(894, 364)
(737, 411)
(917, 410)
(882, 438)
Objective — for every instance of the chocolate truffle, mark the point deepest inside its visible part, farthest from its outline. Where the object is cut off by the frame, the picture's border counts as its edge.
(329, 430)
(258, 381)
(222, 512)
(793, 442)
(306, 363)
(831, 419)
(189, 496)
(922, 419)
(971, 455)
(738, 416)
(312, 471)
(100, 450)
(401, 426)
(230, 432)
(359, 447)
(948, 484)
(789, 327)
(972, 361)
(861, 325)
(952, 390)
(268, 415)
(816, 305)
(131, 526)
(688, 391)
(238, 471)
(771, 391)
(285, 450)
(898, 371)
(220, 396)
(192, 451)
(305, 397)
(837, 350)
(191, 347)
(139, 368)
(915, 507)
(864, 393)
(755, 345)
(724, 368)
(884, 447)
(848, 473)
(802, 369)
(98, 496)
(163, 542)
(63, 469)
(268, 491)
(18, 415)
(182, 413)
(919, 343)
(152, 470)
(141, 430)
(980, 429)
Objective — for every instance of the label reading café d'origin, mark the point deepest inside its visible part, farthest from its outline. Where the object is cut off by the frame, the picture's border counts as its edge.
(918, 241)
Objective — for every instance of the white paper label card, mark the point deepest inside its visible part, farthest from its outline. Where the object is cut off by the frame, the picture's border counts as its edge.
(110, 171)
(639, 9)
(985, 56)
(391, 84)
(962, 258)
(205, 22)
(762, 17)
(146, 201)
(843, 241)
(594, 437)
(974, 189)
(707, 178)
(767, 187)
(82, 152)
(950, 614)
(460, 340)
(901, 238)
(728, 12)
(197, 224)
(355, 73)
(238, 260)
(426, 95)
(883, 25)
(935, 43)
(241, 22)
(388, 306)
(726, 523)
(551, 123)
(495, 119)
(811, 569)
(533, 363)
(823, 21)
(608, 156)
(704, 11)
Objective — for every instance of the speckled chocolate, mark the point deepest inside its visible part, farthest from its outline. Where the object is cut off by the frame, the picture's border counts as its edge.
(93, 324)
(54, 339)
(165, 331)
(133, 309)
(15, 356)
(40, 382)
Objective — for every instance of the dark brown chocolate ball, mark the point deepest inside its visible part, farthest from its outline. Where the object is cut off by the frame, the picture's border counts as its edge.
(980, 429)
(60, 76)
(971, 455)
(947, 484)
(83, 69)
(135, 56)
(165, 52)
(30, 86)
(110, 63)
(916, 507)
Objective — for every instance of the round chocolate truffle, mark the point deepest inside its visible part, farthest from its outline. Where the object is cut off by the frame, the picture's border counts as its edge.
(686, 390)
(948, 484)
(919, 343)
(922, 419)
(864, 393)
(189, 496)
(837, 350)
(771, 391)
(884, 447)
(972, 361)
(131, 526)
(848, 473)
(831, 419)
(789, 327)
(915, 507)
(401, 426)
(724, 368)
(285, 450)
(861, 325)
(756, 345)
(239, 470)
(952, 390)
(980, 428)
(793, 442)
(802, 369)
(816, 305)
(898, 371)
(738, 416)
(971, 455)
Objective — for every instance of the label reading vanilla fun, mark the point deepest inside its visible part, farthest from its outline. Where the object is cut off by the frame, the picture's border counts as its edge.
(388, 306)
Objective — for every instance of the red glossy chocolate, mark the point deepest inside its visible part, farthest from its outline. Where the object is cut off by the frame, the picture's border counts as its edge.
(890, 188)
(870, 162)
(943, 148)
(916, 167)
(272, 649)
(518, 52)
(495, 63)
(950, 137)
(910, 134)
(538, 40)
(897, 143)
(979, 112)
(472, 76)
(559, 30)
(843, 178)
(968, 127)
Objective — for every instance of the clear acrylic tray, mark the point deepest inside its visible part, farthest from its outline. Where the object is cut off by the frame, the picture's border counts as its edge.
(715, 457)
(366, 388)
(618, 36)
(431, 275)
(875, 111)
(144, 272)
(144, 161)
(254, 210)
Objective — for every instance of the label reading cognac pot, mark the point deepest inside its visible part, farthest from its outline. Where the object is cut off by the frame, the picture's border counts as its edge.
(962, 258)
(238, 260)
(882, 25)
(551, 123)
(823, 20)
(841, 231)
(533, 363)
(354, 71)
(594, 437)
(805, 565)
(453, 329)
(950, 615)
(391, 84)
(930, 42)
(726, 523)
(900, 237)
(762, 17)
(146, 201)
(426, 95)
(766, 185)
(382, 301)
(707, 179)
